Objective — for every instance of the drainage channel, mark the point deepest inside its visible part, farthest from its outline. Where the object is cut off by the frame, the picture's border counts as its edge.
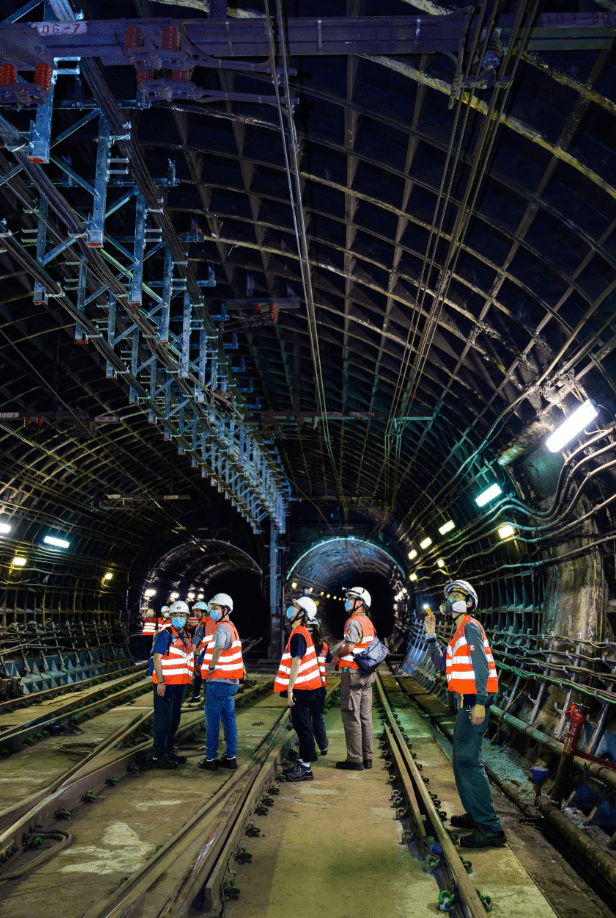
(39, 834)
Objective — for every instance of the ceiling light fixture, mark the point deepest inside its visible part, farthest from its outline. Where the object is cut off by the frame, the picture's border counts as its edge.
(426, 542)
(108, 576)
(440, 562)
(413, 553)
(5, 528)
(150, 592)
(19, 562)
(412, 576)
(488, 495)
(506, 531)
(294, 585)
(174, 596)
(447, 527)
(58, 543)
(572, 426)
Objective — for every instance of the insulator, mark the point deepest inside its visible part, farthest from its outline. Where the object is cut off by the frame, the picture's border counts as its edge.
(171, 39)
(181, 76)
(133, 38)
(42, 75)
(144, 75)
(8, 75)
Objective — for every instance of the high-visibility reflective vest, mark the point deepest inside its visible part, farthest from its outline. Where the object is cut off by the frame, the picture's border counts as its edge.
(322, 657)
(149, 626)
(368, 633)
(162, 623)
(207, 644)
(177, 663)
(308, 674)
(192, 622)
(230, 663)
(459, 664)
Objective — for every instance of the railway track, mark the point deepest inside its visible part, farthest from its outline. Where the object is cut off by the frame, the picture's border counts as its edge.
(190, 865)
(418, 805)
(49, 718)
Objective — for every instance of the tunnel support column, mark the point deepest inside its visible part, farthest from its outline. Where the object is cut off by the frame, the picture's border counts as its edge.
(276, 633)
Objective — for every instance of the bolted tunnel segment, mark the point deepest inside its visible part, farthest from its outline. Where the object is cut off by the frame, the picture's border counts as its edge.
(294, 301)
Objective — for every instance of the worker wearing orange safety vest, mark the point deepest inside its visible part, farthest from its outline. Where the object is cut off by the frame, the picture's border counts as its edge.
(205, 628)
(223, 667)
(355, 686)
(471, 675)
(299, 678)
(173, 665)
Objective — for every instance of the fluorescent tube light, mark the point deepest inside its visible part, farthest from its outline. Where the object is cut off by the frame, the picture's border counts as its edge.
(572, 426)
(58, 543)
(413, 553)
(447, 527)
(440, 562)
(19, 562)
(488, 495)
(426, 542)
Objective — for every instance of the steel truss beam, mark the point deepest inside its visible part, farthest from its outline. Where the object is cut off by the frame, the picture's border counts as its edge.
(26, 44)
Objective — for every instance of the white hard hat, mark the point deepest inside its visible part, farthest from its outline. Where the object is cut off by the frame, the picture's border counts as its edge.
(360, 593)
(201, 606)
(464, 587)
(308, 605)
(222, 599)
(179, 608)
(165, 611)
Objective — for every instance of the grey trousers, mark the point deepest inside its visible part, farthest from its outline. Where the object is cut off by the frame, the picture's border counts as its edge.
(356, 711)
(469, 772)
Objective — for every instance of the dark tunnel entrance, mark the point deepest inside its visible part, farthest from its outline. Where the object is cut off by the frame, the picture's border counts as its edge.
(199, 570)
(326, 569)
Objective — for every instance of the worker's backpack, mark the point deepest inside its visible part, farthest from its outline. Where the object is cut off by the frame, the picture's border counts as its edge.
(369, 659)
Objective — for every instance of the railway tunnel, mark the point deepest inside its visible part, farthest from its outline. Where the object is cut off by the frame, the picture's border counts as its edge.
(294, 299)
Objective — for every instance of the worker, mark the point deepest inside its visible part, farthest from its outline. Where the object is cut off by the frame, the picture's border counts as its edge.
(317, 707)
(164, 619)
(205, 628)
(193, 619)
(298, 678)
(172, 656)
(355, 687)
(148, 631)
(471, 676)
(223, 667)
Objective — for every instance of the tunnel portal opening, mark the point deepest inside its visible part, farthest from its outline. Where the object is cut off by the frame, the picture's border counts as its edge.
(325, 570)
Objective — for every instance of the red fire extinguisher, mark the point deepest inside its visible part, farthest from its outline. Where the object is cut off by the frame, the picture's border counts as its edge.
(577, 719)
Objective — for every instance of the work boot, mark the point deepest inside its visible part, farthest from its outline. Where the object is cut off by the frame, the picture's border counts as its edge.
(483, 837)
(465, 821)
(300, 773)
(323, 751)
(227, 762)
(163, 761)
(174, 757)
(367, 763)
(194, 700)
(208, 764)
(350, 766)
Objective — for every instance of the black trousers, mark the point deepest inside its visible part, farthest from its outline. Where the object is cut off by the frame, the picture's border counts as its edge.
(317, 714)
(167, 713)
(197, 684)
(300, 718)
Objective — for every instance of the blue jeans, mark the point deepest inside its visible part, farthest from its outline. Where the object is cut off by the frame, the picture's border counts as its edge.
(220, 705)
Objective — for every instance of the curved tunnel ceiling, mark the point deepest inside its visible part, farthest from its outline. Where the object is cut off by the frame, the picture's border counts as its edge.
(462, 268)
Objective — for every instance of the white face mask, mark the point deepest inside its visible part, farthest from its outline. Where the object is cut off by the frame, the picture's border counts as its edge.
(459, 606)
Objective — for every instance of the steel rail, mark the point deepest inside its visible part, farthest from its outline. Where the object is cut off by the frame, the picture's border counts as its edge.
(74, 710)
(192, 865)
(25, 701)
(471, 903)
(88, 776)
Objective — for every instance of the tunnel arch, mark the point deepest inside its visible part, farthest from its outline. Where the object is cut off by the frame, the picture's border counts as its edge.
(328, 567)
(204, 568)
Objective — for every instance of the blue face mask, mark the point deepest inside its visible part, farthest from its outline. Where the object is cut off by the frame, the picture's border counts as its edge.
(215, 615)
(178, 623)
(348, 605)
(291, 612)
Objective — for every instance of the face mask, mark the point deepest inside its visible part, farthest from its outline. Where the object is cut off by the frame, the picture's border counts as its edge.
(178, 623)
(348, 605)
(215, 615)
(291, 612)
(459, 606)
